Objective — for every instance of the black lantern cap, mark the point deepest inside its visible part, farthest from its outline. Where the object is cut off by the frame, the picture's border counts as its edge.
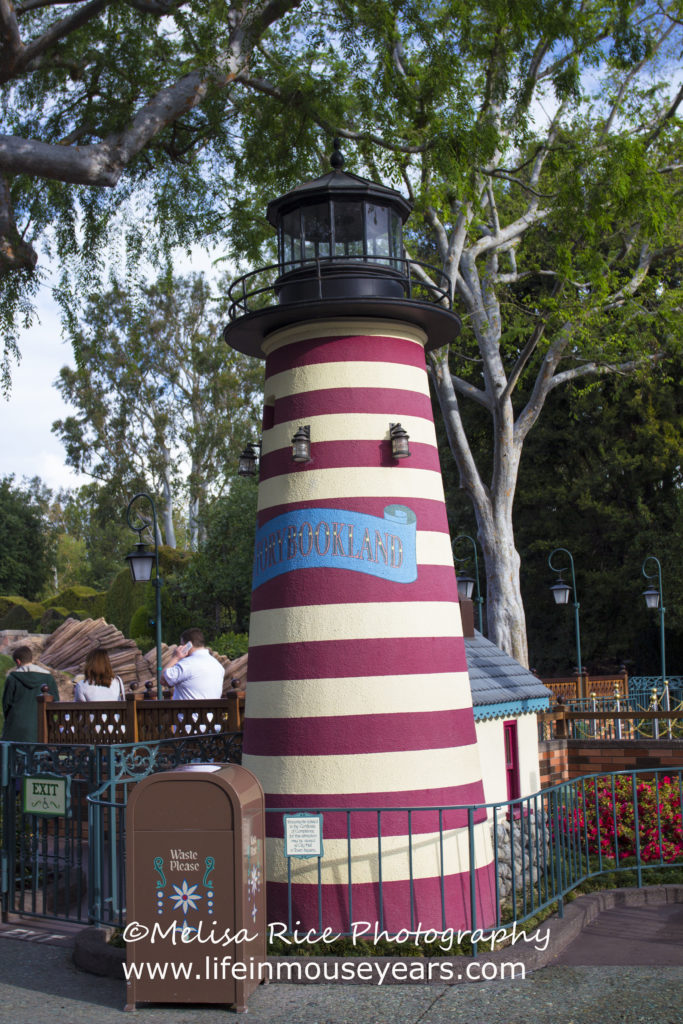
(340, 185)
(340, 255)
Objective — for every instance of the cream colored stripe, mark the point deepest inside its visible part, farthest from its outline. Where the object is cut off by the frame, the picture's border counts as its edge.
(370, 695)
(364, 621)
(343, 329)
(392, 482)
(432, 548)
(347, 374)
(350, 427)
(396, 851)
(388, 772)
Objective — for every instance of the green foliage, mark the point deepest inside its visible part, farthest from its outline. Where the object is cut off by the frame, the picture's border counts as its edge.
(25, 540)
(123, 599)
(141, 629)
(217, 584)
(73, 597)
(52, 618)
(17, 617)
(33, 608)
(603, 479)
(157, 392)
(232, 645)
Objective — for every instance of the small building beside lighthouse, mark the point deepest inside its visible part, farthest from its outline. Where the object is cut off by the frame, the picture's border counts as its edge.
(358, 698)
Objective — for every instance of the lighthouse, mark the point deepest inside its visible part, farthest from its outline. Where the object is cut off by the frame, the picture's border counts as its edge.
(358, 706)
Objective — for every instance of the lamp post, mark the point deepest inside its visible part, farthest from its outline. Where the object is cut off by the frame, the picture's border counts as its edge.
(561, 591)
(654, 598)
(466, 584)
(140, 561)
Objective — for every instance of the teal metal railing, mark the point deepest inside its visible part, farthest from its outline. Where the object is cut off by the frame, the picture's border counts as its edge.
(543, 846)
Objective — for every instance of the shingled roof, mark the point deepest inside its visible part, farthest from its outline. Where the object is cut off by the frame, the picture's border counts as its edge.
(500, 685)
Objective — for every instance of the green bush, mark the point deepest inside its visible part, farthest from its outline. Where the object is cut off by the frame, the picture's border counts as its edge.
(34, 608)
(17, 617)
(73, 598)
(123, 599)
(52, 618)
(141, 629)
(232, 645)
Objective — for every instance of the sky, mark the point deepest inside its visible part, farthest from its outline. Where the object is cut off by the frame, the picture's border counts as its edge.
(28, 447)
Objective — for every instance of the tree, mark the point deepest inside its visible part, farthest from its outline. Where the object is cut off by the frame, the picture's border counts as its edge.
(560, 242)
(25, 540)
(602, 478)
(161, 400)
(105, 100)
(217, 582)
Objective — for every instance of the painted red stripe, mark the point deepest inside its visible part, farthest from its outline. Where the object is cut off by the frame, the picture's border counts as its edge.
(339, 586)
(392, 402)
(430, 512)
(437, 811)
(364, 824)
(399, 905)
(359, 734)
(348, 455)
(356, 348)
(324, 659)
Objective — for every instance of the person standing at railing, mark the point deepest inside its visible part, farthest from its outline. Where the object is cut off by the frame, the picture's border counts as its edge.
(193, 673)
(98, 681)
(23, 686)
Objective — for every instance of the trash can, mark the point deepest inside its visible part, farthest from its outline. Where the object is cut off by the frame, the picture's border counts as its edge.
(195, 887)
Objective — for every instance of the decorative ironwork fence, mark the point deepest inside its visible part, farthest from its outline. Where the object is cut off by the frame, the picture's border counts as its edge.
(53, 866)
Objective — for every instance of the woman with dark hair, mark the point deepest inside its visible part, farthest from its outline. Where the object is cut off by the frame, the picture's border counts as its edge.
(98, 681)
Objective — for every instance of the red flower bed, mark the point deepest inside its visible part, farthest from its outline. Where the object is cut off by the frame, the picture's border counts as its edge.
(607, 818)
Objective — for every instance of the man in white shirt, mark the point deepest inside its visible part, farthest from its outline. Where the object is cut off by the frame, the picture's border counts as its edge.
(193, 673)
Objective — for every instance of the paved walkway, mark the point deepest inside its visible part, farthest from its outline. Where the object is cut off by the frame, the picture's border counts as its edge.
(39, 984)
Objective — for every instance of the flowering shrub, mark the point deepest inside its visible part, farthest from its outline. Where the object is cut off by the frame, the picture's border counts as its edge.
(607, 818)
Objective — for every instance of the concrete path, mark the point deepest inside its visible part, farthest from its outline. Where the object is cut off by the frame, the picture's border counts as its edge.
(39, 983)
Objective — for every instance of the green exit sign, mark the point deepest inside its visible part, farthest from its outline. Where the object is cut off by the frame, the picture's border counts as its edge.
(45, 794)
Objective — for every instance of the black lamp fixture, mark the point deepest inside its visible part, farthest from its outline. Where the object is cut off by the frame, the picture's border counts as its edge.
(141, 561)
(560, 591)
(399, 441)
(301, 445)
(654, 598)
(465, 587)
(248, 459)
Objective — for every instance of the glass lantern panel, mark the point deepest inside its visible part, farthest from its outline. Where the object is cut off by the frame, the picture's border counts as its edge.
(291, 239)
(377, 221)
(348, 229)
(396, 236)
(317, 231)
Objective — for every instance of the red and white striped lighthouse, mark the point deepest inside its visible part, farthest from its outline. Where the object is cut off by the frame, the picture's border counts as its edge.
(358, 696)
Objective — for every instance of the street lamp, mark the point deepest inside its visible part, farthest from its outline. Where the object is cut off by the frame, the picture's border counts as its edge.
(561, 591)
(140, 561)
(654, 598)
(466, 584)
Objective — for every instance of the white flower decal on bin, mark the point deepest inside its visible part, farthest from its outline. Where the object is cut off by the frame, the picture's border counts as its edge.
(185, 897)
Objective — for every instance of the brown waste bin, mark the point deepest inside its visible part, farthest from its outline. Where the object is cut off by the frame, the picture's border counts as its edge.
(195, 888)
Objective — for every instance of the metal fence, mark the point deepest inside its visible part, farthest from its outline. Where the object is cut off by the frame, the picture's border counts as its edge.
(66, 866)
(543, 845)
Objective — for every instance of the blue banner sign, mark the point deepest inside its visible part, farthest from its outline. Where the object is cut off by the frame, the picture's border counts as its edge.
(333, 538)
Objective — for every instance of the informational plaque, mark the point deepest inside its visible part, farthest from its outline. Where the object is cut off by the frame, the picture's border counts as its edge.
(303, 835)
(46, 795)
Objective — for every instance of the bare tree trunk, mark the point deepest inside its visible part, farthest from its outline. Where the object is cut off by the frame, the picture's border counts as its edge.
(169, 529)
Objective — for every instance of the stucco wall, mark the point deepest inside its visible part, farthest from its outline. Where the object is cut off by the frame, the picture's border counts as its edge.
(492, 753)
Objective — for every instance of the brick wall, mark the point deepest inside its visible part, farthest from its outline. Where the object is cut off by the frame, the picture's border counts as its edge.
(560, 760)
